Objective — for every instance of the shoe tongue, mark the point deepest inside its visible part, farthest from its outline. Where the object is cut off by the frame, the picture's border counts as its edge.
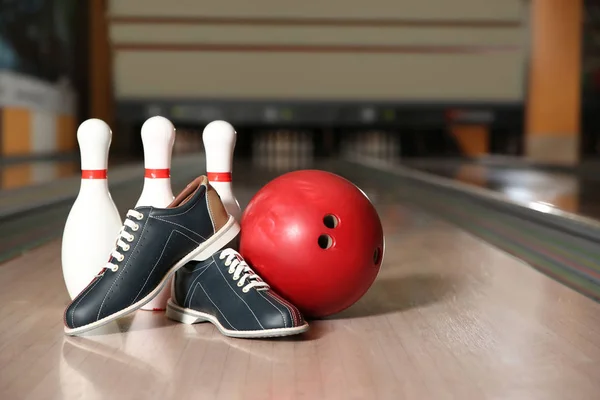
(188, 192)
(140, 209)
(113, 260)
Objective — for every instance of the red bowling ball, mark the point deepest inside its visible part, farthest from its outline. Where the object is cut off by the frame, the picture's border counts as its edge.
(315, 238)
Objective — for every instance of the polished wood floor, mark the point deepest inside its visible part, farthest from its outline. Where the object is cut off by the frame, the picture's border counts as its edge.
(449, 317)
(574, 190)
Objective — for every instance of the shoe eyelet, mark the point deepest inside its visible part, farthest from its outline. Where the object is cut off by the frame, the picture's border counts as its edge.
(141, 217)
(127, 247)
(227, 263)
(245, 290)
(135, 227)
(240, 284)
(121, 258)
(231, 270)
(130, 238)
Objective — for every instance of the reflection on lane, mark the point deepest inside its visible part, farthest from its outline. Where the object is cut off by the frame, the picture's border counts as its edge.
(30, 173)
(565, 191)
(22, 173)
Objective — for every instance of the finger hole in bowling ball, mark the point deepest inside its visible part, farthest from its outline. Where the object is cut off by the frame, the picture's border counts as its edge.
(325, 242)
(330, 221)
(377, 256)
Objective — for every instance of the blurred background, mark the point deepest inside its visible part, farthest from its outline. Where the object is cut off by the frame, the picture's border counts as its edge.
(454, 87)
(473, 126)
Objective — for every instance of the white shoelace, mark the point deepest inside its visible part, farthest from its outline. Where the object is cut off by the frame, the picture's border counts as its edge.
(242, 273)
(124, 245)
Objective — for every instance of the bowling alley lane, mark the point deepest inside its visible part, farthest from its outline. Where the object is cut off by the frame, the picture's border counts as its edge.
(573, 191)
(18, 174)
(449, 316)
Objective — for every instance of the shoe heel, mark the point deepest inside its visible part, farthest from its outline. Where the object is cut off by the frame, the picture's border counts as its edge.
(180, 316)
(223, 237)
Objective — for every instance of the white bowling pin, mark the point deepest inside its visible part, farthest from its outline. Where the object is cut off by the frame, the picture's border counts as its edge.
(93, 223)
(158, 138)
(219, 142)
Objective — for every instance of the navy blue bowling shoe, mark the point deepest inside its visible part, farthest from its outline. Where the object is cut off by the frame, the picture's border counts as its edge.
(153, 244)
(225, 291)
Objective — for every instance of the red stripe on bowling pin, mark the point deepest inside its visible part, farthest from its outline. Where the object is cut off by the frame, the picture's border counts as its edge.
(93, 174)
(157, 173)
(219, 142)
(219, 176)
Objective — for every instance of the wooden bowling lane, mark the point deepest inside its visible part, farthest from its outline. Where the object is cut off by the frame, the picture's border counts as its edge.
(572, 190)
(449, 317)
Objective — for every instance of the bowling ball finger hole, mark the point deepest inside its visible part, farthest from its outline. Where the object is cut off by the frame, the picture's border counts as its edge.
(325, 242)
(377, 256)
(331, 221)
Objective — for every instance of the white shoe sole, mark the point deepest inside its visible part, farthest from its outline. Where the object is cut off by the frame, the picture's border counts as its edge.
(189, 316)
(225, 235)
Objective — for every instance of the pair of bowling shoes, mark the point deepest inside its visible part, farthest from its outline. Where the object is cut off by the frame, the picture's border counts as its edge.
(211, 282)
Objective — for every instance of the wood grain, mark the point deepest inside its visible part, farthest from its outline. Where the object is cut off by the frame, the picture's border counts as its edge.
(449, 317)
